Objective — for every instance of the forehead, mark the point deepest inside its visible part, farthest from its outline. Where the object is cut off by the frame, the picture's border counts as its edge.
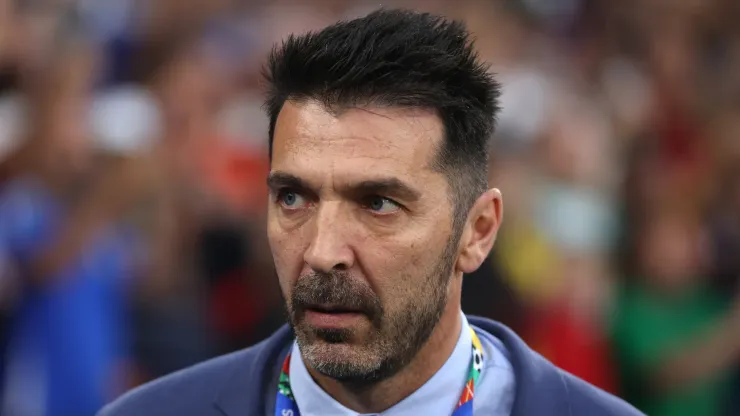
(369, 140)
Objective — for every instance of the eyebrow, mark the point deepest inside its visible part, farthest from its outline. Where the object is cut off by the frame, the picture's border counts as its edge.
(392, 187)
(278, 180)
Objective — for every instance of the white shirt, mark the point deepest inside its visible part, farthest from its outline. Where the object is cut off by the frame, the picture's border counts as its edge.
(494, 394)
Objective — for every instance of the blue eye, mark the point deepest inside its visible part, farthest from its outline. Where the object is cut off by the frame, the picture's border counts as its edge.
(291, 200)
(382, 205)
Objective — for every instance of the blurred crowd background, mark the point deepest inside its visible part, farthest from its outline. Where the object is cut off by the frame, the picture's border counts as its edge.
(132, 191)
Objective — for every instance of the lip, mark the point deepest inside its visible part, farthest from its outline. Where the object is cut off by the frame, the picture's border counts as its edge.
(332, 319)
(329, 308)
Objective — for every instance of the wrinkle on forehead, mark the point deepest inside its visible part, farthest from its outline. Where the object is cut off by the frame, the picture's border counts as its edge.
(376, 135)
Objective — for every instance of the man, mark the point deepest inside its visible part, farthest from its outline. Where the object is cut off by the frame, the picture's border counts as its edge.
(379, 205)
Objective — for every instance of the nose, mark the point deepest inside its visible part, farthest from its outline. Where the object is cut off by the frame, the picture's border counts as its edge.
(329, 248)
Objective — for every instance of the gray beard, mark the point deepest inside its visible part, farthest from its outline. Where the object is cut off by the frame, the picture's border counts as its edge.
(395, 341)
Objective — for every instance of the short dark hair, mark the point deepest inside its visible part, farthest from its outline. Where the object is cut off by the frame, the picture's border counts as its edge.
(397, 58)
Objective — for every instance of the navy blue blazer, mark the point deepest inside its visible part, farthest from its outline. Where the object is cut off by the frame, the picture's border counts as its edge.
(244, 383)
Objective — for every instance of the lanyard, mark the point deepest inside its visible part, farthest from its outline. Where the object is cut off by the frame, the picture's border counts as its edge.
(285, 404)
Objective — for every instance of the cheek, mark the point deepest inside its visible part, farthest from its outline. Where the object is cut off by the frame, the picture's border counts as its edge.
(403, 268)
(287, 255)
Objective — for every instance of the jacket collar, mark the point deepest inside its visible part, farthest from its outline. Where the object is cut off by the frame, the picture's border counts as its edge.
(540, 388)
(246, 390)
(250, 387)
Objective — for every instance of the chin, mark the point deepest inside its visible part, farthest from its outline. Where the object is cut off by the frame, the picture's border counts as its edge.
(336, 359)
(341, 362)
(320, 351)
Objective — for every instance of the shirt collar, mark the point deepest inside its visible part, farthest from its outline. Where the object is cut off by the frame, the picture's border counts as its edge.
(439, 392)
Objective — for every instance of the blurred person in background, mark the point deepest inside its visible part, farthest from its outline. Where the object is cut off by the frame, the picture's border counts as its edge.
(675, 336)
(28, 31)
(174, 200)
(573, 209)
(66, 262)
(725, 221)
(207, 197)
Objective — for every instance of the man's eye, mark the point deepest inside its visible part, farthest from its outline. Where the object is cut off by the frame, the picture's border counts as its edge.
(381, 205)
(291, 200)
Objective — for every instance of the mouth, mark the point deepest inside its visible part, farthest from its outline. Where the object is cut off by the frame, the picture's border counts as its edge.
(332, 316)
(332, 309)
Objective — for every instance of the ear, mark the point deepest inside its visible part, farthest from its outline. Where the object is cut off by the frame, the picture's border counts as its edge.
(480, 231)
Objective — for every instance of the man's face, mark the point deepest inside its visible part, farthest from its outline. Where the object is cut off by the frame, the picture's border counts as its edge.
(360, 227)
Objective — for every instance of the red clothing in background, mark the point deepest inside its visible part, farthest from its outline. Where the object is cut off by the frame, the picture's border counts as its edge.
(573, 344)
(237, 174)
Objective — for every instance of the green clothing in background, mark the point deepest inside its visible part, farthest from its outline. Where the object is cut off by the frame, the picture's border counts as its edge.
(647, 327)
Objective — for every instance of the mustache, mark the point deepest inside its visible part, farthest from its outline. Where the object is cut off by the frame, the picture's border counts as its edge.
(338, 289)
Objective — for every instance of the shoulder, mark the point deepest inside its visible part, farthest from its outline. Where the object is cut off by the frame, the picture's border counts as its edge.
(238, 380)
(585, 399)
(541, 387)
(187, 392)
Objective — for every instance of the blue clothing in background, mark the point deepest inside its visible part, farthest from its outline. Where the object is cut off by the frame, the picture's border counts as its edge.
(67, 336)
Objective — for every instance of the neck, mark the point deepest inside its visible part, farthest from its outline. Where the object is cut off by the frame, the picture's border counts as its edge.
(383, 395)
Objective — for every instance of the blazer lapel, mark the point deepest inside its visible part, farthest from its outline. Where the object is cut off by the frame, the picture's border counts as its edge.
(250, 389)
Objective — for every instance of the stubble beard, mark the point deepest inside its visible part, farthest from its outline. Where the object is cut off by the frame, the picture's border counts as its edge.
(393, 339)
